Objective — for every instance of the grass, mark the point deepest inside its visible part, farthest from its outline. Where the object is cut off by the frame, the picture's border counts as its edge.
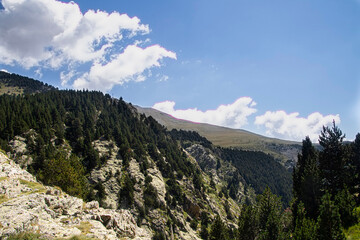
(3, 178)
(10, 90)
(36, 236)
(78, 238)
(353, 232)
(3, 198)
(26, 236)
(225, 137)
(35, 186)
(84, 227)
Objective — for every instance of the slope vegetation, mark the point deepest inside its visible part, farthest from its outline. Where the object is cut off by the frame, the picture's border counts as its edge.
(285, 151)
(102, 149)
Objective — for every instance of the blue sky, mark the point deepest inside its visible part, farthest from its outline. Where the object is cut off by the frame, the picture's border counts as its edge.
(279, 68)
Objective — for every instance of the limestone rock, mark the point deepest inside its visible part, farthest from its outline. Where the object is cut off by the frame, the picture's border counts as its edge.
(158, 183)
(26, 205)
(110, 173)
(138, 176)
(19, 144)
(205, 159)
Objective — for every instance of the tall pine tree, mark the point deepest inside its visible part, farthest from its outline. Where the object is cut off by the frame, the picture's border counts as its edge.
(306, 179)
(329, 222)
(332, 159)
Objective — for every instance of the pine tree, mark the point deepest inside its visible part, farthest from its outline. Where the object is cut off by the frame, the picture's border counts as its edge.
(248, 223)
(329, 222)
(305, 228)
(355, 162)
(218, 230)
(331, 159)
(346, 204)
(66, 173)
(269, 210)
(306, 179)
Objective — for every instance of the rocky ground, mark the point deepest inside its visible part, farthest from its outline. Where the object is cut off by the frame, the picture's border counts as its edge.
(27, 205)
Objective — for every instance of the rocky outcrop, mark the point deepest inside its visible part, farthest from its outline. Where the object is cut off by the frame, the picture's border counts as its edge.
(110, 173)
(27, 205)
(220, 171)
(19, 151)
(205, 159)
(158, 183)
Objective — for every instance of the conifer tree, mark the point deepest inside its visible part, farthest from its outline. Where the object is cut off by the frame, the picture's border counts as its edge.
(306, 180)
(248, 223)
(329, 222)
(269, 210)
(332, 159)
(355, 162)
(346, 204)
(305, 228)
(218, 230)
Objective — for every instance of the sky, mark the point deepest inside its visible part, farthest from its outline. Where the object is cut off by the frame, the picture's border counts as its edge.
(278, 68)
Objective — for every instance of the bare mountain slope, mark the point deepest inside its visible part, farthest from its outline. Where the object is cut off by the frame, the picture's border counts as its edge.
(285, 151)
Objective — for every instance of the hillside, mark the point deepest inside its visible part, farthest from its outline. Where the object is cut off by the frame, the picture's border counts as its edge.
(26, 205)
(284, 150)
(95, 147)
(16, 84)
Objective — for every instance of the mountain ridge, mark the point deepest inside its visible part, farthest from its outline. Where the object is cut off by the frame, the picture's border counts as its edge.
(175, 183)
(284, 150)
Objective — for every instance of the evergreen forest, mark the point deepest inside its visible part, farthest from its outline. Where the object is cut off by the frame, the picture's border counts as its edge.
(319, 200)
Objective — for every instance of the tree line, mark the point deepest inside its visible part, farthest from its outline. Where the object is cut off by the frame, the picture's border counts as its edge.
(325, 196)
(77, 118)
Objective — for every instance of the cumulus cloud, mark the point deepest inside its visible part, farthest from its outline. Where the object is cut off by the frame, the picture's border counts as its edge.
(38, 31)
(124, 67)
(291, 126)
(232, 115)
(51, 33)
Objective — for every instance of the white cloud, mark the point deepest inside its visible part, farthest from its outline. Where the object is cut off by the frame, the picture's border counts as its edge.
(51, 34)
(4, 70)
(124, 67)
(291, 126)
(38, 73)
(232, 115)
(65, 77)
(37, 32)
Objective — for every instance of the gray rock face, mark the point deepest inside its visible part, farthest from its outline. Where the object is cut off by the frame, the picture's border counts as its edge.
(208, 163)
(206, 160)
(158, 183)
(19, 146)
(110, 173)
(26, 205)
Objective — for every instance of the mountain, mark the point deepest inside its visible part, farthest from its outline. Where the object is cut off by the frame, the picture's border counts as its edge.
(285, 151)
(16, 84)
(174, 184)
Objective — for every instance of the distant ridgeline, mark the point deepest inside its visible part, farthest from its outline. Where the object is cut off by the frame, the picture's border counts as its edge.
(16, 84)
